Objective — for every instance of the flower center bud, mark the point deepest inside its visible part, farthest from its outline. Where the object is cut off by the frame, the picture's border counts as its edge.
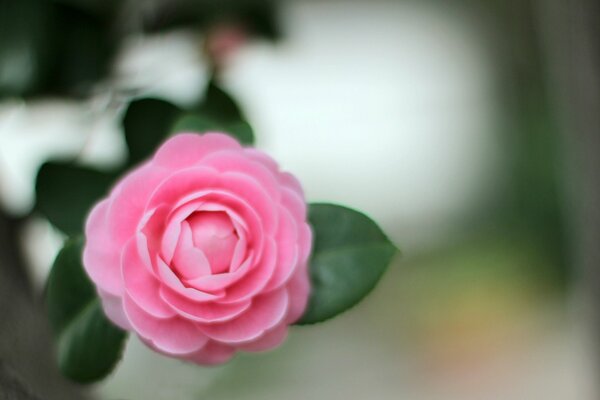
(214, 234)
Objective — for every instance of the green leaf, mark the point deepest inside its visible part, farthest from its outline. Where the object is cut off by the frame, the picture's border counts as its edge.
(89, 346)
(25, 45)
(147, 123)
(68, 287)
(241, 130)
(83, 49)
(220, 105)
(258, 17)
(194, 123)
(350, 255)
(65, 193)
(51, 48)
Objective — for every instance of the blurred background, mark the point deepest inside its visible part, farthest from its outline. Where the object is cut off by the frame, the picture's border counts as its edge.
(467, 129)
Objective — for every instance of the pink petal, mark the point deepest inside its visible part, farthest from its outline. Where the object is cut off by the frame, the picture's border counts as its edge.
(150, 233)
(179, 216)
(208, 312)
(213, 353)
(172, 282)
(170, 239)
(263, 158)
(189, 261)
(236, 161)
(268, 340)
(170, 335)
(305, 241)
(291, 182)
(143, 251)
(256, 279)
(113, 308)
(214, 233)
(212, 283)
(250, 190)
(246, 220)
(101, 257)
(240, 252)
(284, 178)
(182, 183)
(298, 289)
(187, 149)
(129, 200)
(142, 287)
(287, 250)
(294, 203)
(267, 310)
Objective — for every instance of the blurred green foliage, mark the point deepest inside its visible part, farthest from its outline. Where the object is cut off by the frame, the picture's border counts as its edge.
(66, 47)
(89, 346)
(49, 48)
(259, 17)
(65, 192)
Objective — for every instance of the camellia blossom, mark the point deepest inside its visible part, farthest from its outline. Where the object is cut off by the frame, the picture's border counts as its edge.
(202, 250)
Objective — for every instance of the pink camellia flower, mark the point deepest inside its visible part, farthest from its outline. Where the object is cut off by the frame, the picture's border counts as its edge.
(202, 251)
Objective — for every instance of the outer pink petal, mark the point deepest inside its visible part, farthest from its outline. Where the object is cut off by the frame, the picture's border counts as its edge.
(187, 149)
(182, 183)
(294, 203)
(113, 308)
(141, 285)
(101, 257)
(287, 250)
(170, 335)
(269, 340)
(129, 200)
(265, 313)
(237, 161)
(291, 182)
(284, 178)
(298, 289)
(263, 158)
(305, 241)
(213, 353)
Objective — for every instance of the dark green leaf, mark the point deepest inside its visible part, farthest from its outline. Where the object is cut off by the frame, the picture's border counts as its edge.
(24, 45)
(89, 346)
(350, 255)
(147, 123)
(65, 193)
(262, 20)
(259, 18)
(52, 48)
(195, 123)
(219, 105)
(82, 51)
(241, 130)
(68, 289)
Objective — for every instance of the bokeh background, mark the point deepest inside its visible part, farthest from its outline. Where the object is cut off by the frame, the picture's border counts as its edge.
(467, 129)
